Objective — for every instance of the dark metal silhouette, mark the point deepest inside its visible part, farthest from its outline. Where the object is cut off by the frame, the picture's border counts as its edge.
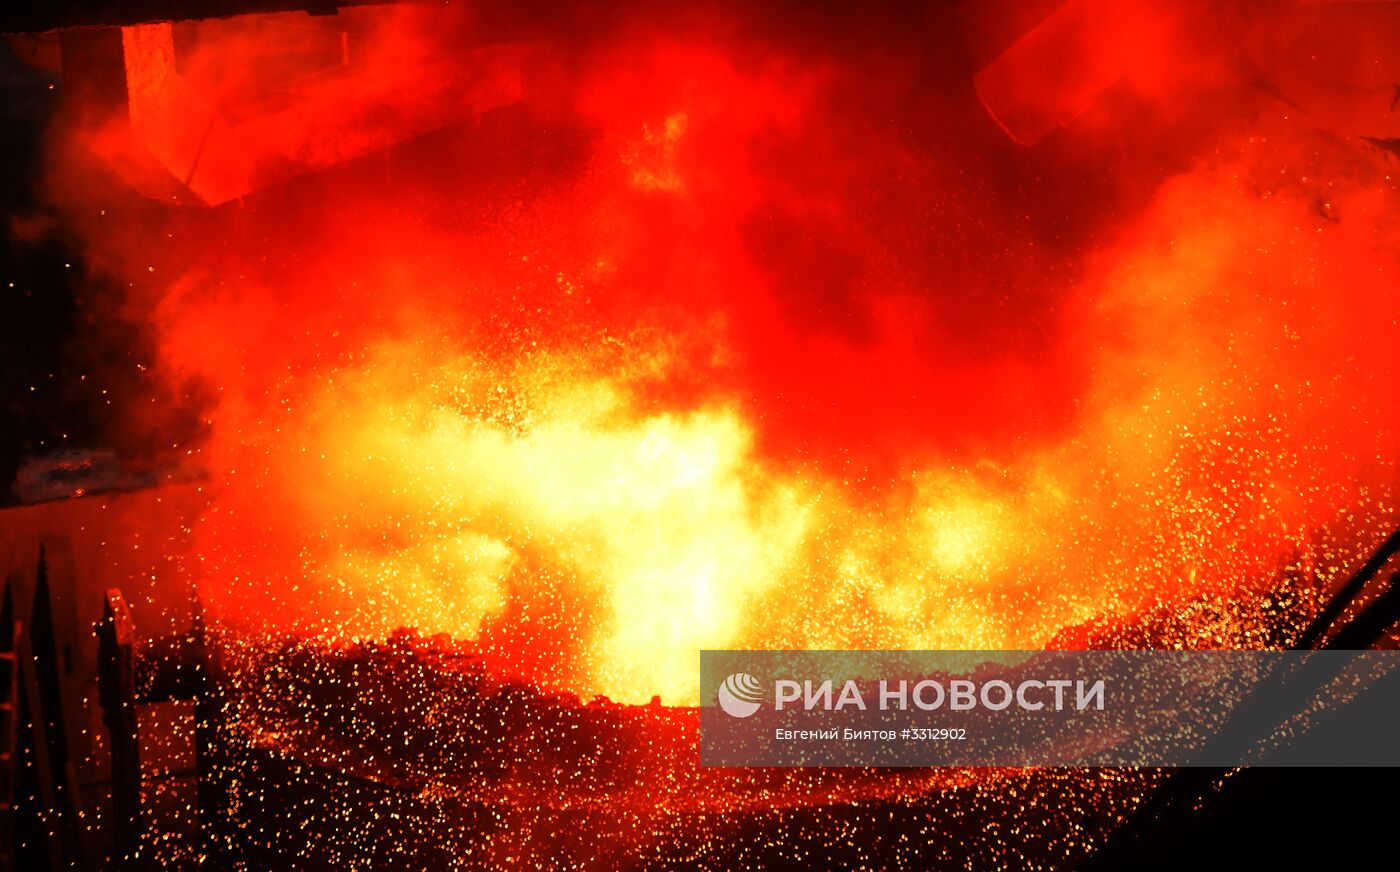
(1186, 788)
(116, 654)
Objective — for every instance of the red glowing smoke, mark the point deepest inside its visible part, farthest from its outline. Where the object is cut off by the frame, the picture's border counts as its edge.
(754, 328)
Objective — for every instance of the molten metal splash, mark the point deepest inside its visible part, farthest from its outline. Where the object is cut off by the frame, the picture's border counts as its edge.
(708, 353)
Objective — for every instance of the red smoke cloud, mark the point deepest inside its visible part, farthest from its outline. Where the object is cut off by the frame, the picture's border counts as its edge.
(739, 333)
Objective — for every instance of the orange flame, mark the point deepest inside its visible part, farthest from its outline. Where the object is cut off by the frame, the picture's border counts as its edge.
(713, 354)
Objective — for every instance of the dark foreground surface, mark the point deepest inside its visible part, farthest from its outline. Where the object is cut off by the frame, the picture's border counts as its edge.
(406, 755)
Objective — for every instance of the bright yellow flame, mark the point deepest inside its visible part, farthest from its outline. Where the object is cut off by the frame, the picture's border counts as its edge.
(660, 518)
(433, 489)
(963, 536)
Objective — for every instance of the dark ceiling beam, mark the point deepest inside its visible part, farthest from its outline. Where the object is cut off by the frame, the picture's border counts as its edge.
(37, 16)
